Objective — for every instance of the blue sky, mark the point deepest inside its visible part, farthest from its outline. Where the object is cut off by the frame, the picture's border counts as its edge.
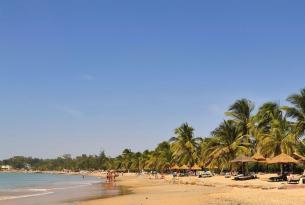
(81, 76)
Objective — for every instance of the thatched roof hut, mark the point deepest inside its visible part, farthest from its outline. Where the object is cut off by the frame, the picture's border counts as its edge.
(282, 159)
(258, 157)
(195, 167)
(175, 167)
(184, 167)
(242, 159)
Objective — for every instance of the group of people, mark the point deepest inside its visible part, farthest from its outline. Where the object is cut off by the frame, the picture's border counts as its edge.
(111, 175)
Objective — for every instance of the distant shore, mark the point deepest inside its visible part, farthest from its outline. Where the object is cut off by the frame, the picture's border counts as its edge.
(195, 191)
(84, 173)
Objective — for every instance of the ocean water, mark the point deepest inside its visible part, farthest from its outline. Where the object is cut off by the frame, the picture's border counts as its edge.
(36, 188)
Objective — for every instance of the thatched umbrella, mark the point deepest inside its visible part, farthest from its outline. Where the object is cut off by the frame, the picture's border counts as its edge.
(184, 167)
(195, 167)
(258, 157)
(282, 159)
(242, 159)
(175, 167)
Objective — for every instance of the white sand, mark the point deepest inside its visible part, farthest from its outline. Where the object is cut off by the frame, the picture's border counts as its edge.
(195, 191)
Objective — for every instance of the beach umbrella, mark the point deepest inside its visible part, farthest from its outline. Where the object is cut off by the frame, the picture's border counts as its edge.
(195, 167)
(243, 160)
(184, 167)
(175, 167)
(258, 157)
(282, 159)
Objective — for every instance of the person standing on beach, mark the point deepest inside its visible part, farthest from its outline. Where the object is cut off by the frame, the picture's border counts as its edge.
(111, 176)
(108, 176)
(114, 175)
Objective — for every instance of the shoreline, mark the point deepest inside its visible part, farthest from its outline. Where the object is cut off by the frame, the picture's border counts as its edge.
(99, 174)
(57, 189)
(195, 191)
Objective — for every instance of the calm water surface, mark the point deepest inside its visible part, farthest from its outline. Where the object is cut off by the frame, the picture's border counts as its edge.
(36, 188)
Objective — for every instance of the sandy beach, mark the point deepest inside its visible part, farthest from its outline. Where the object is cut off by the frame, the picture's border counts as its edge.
(195, 191)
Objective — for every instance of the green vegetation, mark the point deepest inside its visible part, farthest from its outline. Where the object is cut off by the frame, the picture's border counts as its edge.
(270, 131)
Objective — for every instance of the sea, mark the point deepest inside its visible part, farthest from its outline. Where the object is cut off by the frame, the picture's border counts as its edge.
(52, 189)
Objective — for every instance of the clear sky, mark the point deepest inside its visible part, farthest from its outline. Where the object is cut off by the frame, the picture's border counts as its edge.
(80, 76)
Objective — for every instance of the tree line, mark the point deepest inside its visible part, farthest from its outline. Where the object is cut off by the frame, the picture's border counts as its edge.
(269, 130)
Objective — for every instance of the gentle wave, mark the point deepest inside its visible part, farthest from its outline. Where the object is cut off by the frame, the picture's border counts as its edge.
(24, 196)
(71, 187)
(21, 185)
(44, 191)
(76, 185)
(38, 190)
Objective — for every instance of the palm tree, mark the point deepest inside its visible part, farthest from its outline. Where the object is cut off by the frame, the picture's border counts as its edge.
(279, 134)
(297, 112)
(164, 155)
(266, 113)
(240, 111)
(126, 159)
(152, 161)
(226, 143)
(184, 145)
(161, 158)
(117, 163)
(136, 162)
(261, 123)
(207, 146)
(144, 159)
